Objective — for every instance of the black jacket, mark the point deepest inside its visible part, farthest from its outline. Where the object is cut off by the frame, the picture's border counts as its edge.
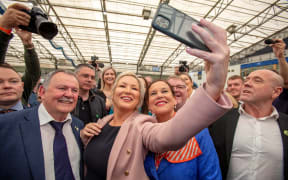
(223, 131)
(97, 107)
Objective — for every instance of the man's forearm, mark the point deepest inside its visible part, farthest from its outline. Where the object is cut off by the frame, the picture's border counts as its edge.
(283, 68)
(32, 72)
(4, 41)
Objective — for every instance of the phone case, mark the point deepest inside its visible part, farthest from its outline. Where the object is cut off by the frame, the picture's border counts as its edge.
(177, 25)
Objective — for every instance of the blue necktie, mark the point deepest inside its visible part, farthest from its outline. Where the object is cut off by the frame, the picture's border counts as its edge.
(62, 166)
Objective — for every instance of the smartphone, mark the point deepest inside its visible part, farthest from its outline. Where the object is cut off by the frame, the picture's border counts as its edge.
(177, 25)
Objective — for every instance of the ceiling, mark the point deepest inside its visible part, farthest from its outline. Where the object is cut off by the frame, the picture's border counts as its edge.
(116, 32)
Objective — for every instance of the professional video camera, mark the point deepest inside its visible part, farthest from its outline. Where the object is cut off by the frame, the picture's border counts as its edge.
(95, 64)
(39, 24)
(183, 66)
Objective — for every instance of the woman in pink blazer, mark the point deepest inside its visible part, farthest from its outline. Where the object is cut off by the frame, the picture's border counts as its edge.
(124, 138)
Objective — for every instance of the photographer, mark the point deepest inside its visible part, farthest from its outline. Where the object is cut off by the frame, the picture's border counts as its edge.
(12, 18)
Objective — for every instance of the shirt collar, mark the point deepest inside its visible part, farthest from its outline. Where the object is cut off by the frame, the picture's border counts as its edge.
(45, 117)
(273, 115)
(17, 107)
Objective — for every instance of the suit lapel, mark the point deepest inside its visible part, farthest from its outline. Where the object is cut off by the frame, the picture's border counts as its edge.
(76, 131)
(230, 128)
(118, 143)
(30, 131)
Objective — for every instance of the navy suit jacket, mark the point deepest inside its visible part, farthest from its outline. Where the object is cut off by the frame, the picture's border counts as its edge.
(21, 153)
(223, 131)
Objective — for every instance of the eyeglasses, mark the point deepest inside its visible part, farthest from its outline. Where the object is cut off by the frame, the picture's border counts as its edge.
(180, 87)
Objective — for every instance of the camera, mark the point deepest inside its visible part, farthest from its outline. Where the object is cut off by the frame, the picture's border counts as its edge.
(95, 64)
(183, 66)
(39, 24)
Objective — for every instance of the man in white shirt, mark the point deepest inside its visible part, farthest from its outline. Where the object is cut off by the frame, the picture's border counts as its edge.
(44, 142)
(252, 141)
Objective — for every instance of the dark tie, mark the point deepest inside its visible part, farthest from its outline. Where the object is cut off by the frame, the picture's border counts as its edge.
(4, 111)
(62, 166)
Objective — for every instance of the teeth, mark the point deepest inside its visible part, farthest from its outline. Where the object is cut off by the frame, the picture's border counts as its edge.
(160, 103)
(126, 98)
(65, 100)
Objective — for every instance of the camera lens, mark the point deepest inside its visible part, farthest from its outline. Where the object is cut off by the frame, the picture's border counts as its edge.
(162, 22)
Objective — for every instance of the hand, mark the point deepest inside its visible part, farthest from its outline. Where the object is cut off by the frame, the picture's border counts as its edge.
(216, 61)
(25, 36)
(89, 131)
(13, 17)
(278, 48)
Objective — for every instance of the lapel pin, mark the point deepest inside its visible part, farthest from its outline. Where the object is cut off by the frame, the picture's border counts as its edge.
(286, 132)
(77, 129)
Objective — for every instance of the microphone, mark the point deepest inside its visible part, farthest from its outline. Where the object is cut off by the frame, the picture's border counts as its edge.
(269, 41)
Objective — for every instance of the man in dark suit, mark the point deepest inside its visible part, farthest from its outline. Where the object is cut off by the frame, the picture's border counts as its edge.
(44, 142)
(252, 141)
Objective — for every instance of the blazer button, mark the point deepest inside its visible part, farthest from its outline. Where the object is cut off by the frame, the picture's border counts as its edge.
(128, 151)
(126, 173)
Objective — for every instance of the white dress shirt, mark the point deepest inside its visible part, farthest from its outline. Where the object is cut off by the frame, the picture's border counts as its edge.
(47, 136)
(257, 151)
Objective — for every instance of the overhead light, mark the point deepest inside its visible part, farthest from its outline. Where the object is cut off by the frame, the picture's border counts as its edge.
(231, 29)
(146, 13)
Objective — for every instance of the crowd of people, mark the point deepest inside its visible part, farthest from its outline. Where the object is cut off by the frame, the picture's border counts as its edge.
(65, 128)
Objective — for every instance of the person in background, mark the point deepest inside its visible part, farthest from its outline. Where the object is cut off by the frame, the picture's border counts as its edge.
(117, 144)
(251, 141)
(107, 82)
(34, 98)
(189, 83)
(234, 86)
(90, 106)
(149, 80)
(198, 158)
(13, 88)
(43, 142)
(281, 102)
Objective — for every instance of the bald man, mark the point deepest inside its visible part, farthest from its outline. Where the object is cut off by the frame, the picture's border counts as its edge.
(252, 141)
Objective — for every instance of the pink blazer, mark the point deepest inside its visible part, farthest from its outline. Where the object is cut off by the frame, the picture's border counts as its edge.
(140, 133)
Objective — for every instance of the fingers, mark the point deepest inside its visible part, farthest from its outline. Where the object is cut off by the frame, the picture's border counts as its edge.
(213, 38)
(18, 6)
(92, 129)
(218, 33)
(198, 53)
(14, 17)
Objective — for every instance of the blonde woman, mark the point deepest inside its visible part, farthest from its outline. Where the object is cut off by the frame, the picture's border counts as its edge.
(107, 81)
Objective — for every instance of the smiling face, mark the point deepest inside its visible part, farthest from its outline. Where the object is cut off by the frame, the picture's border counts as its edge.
(126, 95)
(60, 96)
(161, 100)
(109, 77)
(180, 91)
(11, 87)
(234, 87)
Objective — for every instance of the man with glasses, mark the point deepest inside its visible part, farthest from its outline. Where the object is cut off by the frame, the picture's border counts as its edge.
(180, 90)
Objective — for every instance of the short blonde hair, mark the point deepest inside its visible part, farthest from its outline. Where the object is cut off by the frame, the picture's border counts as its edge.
(141, 86)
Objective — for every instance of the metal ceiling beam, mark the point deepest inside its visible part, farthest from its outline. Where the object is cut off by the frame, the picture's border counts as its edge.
(181, 47)
(148, 41)
(239, 57)
(105, 21)
(245, 28)
(65, 34)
